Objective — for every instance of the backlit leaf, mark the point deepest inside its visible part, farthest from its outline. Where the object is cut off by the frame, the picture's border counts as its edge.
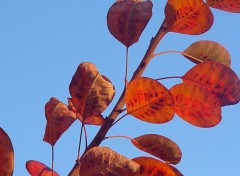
(159, 146)
(101, 161)
(36, 168)
(152, 167)
(148, 100)
(196, 105)
(226, 5)
(6, 154)
(205, 50)
(218, 78)
(192, 17)
(59, 119)
(126, 19)
(91, 93)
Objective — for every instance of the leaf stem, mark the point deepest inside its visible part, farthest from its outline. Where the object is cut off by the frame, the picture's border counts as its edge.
(116, 121)
(80, 141)
(179, 52)
(52, 159)
(169, 77)
(126, 69)
(120, 103)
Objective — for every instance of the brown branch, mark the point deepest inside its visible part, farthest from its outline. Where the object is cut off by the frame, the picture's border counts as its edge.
(120, 103)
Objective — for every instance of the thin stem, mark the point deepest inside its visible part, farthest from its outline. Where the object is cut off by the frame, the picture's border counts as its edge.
(169, 77)
(52, 159)
(80, 141)
(179, 52)
(120, 103)
(118, 136)
(126, 69)
(85, 134)
(116, 121)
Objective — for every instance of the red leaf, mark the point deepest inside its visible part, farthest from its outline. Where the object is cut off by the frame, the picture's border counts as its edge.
(59, 119)
(6, 154)
(153, 167)
(218, 78)
(159, 146)
(192, 17)
(196, 105)
(226, 5)
(91, 93)
(148, 104)
(206, 50)
(103, 161)
(36, 168)
(126, 19)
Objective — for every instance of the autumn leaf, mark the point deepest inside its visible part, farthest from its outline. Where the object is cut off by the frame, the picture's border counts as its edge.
(206, 50)
(226, 5)
(218, 78)
(126, 19)
(36, 168)
(148, 100)
(6, 154)
(91, 93)
(159, 146)
(59, 119)
(152, 167)
(102, 161)
(191, 17)
(196, 105)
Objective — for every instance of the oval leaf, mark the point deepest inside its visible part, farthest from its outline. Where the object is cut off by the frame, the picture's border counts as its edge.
(192, 17)
(226, 5)
(148, 100)
(206, 50)
(104, 161)
(6, 154)
(218, 78)
(36, 168)
(196, 105)
(153, 167)
(59, 119)
(159, 146)
(91, 93)
(127, 19)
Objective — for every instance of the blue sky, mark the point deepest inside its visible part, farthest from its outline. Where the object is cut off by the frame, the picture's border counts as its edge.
(41, 45)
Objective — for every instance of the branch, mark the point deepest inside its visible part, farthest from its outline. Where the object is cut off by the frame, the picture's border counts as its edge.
(120, 103)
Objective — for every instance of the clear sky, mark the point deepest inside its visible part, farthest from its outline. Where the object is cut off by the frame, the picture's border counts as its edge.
(41, 45)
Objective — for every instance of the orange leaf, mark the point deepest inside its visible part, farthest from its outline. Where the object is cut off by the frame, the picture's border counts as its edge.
(36, 168)
(226, 5)
(148, 100)
(101, 161)
(192, 17)
(205, 50)
(218, 78)
(196, 105)
(91, 93)
(152, 167)
(59, 119)
(159, 146)
(6, 154)
(126, 19)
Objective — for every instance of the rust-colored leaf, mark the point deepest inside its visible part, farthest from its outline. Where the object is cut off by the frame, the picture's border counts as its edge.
(91, 93)
(206, 50)
(218, 78)
(148, 100)
(36, 168)
(6, 154)
(126, 19)
(159, 146)
(152, 167)
(226, 5)
(103, 161)
(59, 119)
(196, 105)
(192, 17)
